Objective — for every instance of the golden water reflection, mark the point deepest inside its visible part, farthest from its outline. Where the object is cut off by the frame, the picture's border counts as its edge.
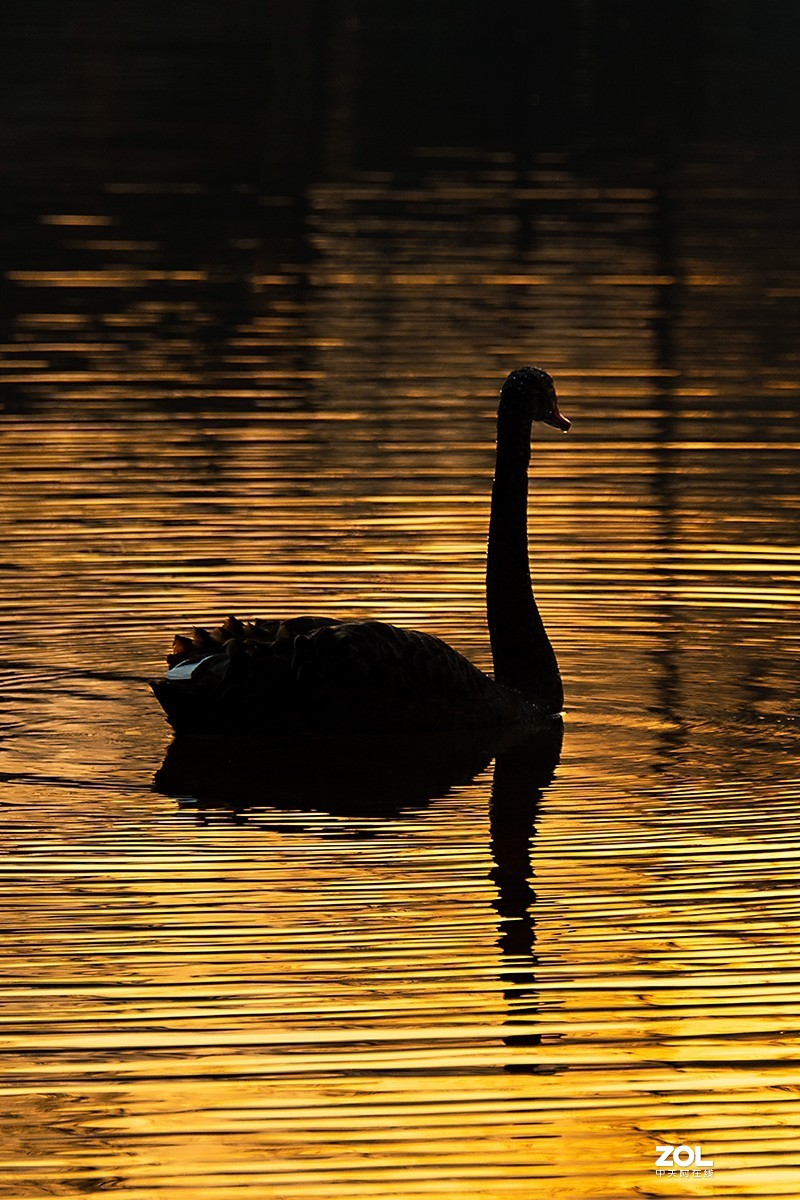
(481, 983)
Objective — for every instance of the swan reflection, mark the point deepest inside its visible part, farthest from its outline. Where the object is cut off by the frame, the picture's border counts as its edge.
(387, 778)
(522, 772)
(379, 776)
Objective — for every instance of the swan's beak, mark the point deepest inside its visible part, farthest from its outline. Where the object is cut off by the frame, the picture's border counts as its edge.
(557, 421)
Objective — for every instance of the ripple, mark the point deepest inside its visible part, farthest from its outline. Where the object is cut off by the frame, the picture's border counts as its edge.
(479, 979)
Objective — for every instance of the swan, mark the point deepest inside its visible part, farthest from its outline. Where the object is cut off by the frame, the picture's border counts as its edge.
(321, 675)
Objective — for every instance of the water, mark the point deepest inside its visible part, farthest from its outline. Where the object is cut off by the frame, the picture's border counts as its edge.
(395, 971)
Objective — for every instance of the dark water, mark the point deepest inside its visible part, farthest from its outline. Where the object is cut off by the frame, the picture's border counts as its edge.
(390, 972)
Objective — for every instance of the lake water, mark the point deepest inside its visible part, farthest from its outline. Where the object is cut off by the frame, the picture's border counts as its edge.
(433, 975)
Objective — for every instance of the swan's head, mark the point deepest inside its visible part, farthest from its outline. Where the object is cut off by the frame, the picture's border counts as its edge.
(531, 390)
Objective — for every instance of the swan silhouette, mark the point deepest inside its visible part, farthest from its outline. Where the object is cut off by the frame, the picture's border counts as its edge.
(320, 675)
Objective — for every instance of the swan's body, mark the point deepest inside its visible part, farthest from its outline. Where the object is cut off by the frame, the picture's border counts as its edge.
(320, 675)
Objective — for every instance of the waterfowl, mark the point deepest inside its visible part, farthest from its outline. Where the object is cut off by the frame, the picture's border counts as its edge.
(322, 675)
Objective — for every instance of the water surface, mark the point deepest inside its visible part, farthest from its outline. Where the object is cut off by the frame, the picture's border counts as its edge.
(510, 986)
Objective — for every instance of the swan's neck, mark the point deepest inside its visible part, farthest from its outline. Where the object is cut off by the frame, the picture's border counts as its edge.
(521, 650)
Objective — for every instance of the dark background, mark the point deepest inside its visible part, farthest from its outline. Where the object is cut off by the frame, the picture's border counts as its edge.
(276, 93)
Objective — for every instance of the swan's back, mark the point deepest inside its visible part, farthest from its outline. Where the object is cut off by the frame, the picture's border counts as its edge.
(320, 675)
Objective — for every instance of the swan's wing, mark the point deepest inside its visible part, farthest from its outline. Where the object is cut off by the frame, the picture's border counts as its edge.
(323, 675)
(374, 676)
(252, 635)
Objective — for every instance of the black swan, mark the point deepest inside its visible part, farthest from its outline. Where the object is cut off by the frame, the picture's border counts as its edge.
(320, 675)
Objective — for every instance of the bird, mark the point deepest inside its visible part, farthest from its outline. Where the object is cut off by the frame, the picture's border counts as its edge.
(321, 675)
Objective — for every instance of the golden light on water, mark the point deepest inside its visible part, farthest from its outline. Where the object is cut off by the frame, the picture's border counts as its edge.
(204, 996)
